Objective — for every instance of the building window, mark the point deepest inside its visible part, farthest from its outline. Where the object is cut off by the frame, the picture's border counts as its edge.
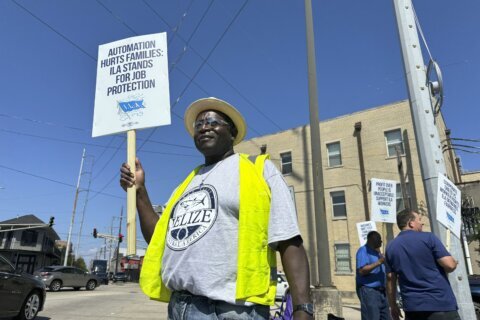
(29, 238)
(286, 162)
(342, 258)
(339, 204)
(400, 202)
(334, 154)
(394, 140)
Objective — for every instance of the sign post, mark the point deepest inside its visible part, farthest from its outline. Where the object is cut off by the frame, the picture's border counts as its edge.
(132, 93)
(131, 196)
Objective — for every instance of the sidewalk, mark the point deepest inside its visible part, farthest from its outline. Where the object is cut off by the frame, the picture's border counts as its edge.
(351, 312)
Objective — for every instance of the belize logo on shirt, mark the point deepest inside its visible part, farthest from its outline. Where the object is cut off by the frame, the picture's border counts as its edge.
(192, 216)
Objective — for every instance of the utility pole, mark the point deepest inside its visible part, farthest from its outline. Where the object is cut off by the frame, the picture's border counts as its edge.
(325, 296)
(110, 249)
(77, 251)
(428, 141)
(118, 242)
(72, 221)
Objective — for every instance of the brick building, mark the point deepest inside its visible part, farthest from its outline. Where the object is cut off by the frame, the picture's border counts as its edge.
(355, 148)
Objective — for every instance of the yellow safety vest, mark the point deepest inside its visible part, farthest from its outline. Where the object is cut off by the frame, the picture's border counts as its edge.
(255, 258)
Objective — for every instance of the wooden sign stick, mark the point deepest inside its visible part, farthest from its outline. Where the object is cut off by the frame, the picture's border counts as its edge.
(448, 240)
(131, 197)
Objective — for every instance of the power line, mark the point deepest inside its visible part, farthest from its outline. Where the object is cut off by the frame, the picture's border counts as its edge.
(216, 72)
(55, 181)
(117, 17)
(213, 49)
(102, 146)
(109, 160)
(51, 28)
(179, 58)
(41, 122)
(182, 19)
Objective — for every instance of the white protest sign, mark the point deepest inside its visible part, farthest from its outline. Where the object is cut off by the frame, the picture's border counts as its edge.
(384, 204)
(363, 228)
(132, 85)
(448, 205)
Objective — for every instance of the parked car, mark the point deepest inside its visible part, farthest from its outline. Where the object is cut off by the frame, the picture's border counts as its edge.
(282, 285)
(57, 277)
(21, 295)
(102, 277)
(120, 276)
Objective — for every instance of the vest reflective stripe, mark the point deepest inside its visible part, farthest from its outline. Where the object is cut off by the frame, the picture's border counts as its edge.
(255, 258)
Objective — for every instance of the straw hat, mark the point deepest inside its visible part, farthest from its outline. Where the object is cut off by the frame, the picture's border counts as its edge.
(215, 104)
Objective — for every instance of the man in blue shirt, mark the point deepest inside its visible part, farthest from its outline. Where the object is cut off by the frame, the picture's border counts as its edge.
(370, 279)
(420, 262)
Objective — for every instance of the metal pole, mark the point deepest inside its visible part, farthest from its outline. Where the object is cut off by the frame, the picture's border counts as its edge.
(325, 296)
(72, 221)
(77, 251)
(110, 249)
(322, 275)
(428, 143)
(358, 133)
(118, 242)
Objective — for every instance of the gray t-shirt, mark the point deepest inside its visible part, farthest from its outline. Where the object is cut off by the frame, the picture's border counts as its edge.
(201, 246)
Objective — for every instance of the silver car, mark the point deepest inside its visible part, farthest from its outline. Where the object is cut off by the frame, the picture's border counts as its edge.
(57, 277)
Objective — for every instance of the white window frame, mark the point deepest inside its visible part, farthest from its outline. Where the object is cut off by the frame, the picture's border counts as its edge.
(338, 204)
(285, 164)
(330, 154)
(337, 258)
(392, 143)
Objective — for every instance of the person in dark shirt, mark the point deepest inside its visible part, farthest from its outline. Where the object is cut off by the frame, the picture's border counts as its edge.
(420, 262)
(370, 278)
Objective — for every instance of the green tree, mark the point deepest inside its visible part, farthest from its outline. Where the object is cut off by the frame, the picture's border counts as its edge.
(80, 263)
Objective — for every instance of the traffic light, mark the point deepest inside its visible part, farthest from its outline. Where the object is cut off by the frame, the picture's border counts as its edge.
(51, 221)
(94, 232)
(120, 237)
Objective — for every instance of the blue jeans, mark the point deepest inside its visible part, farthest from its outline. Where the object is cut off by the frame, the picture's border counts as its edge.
(374, 305)
(185, 306)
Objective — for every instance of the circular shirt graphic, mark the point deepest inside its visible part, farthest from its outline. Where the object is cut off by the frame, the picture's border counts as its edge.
(192, 216)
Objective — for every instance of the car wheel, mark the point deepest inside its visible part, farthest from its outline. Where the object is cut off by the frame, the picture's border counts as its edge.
(30, 307)
(76, 288)
(91, 285)
(476, 305)
(56, 285)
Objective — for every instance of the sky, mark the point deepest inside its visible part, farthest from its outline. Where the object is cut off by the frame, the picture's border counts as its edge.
(250, 53)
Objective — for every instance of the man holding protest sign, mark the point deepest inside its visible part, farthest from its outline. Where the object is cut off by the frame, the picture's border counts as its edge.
(371, 279)
(211, 255)
(420, 262)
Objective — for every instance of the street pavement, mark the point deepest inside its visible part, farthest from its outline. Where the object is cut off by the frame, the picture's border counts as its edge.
(117, 301)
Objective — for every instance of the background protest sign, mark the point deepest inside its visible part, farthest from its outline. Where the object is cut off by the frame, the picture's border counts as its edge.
(384, 204)
(449, 205)
(363, 228)
(132, 89)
